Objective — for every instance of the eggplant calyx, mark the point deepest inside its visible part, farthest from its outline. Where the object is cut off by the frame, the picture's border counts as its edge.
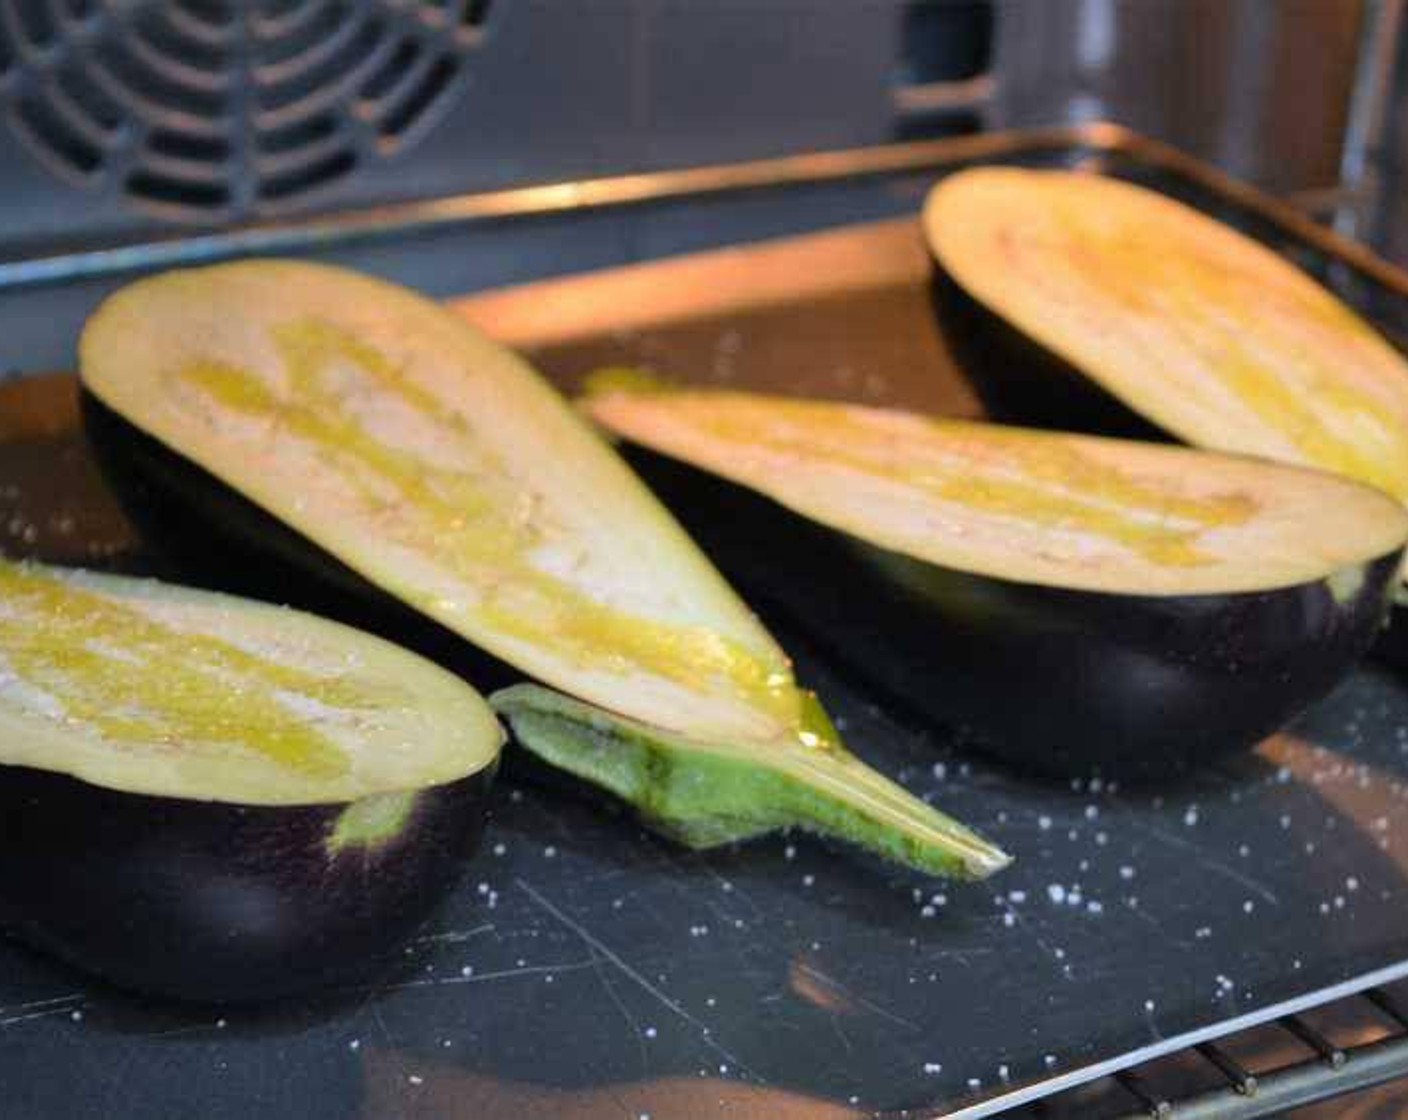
(705, 794)
(371, 822)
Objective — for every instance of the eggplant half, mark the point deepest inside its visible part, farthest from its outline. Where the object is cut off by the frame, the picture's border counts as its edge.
(1083, 603)
(441, 469)
(1081, 302)
(214, 799)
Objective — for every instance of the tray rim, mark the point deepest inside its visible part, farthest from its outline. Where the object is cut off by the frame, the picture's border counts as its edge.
(568, 197)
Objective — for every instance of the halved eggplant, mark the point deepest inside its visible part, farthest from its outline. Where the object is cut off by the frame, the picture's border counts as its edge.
(440, 468)
(1084, 602)
(215, 799)
(1086, 303)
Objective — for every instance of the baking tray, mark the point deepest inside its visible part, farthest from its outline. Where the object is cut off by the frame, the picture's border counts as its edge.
(585, 968)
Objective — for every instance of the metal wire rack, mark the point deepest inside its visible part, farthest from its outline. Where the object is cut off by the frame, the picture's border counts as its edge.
(1293, 1062)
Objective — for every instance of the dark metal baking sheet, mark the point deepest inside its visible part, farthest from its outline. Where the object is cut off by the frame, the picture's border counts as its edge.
(587, 969)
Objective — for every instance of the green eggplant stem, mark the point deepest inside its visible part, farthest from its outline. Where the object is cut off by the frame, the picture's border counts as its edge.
(707, 794)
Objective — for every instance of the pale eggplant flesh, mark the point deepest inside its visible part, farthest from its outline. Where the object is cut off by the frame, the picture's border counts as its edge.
(1085, 303)
(439, 468)
(212, 799)
(1082, 603)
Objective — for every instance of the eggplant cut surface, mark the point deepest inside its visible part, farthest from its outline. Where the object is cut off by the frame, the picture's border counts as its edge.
(1092, 601)
(193, 787)
(443, 470)
(1195, 328)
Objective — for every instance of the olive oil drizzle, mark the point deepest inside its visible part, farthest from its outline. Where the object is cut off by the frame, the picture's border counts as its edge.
(135, 680)
(472, 517)
(1214, 308)
(1032, 479)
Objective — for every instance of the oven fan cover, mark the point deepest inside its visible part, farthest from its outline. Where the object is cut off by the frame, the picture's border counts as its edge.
(209, 111)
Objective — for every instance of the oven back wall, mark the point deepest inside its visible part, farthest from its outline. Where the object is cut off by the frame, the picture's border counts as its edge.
(124, 122)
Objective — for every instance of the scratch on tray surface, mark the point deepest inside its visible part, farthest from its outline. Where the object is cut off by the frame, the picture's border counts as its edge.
(728, 886)
(40, 1009)
(194, 1028)
(840, 1032)
(631, 1021)
(453, 936)
(598, 946)
(1045, 946)
(1160, 928)
(1209, 862)
(381, 1026)
(482, 977)
(840, 989)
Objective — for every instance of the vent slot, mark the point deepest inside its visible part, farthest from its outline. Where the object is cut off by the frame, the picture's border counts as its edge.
(76, 86)
(36, 23)
(215, 14)
(167, 190)
(183, 145)
(305, 38)
(473, 13)
(216, 110)
(157, 87)
(322, 75)
(320, 173)
(412, 106)
(384, 80)
(298, 134)
(274, 11)
(65, 146)
(168, 40)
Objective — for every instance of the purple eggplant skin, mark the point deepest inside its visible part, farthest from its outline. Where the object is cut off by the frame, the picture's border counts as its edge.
(1055, 682)
(211, 902)
(1020, 381)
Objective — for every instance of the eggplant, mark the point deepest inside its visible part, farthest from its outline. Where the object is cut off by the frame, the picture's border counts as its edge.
(441, 470)
(213, 799)
(1083, 603)
(1081, 302)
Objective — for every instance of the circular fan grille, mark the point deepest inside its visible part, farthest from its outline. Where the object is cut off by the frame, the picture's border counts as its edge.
(209, 110)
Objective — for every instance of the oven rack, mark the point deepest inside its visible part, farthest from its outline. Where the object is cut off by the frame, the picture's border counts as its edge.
(1296, 1061)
